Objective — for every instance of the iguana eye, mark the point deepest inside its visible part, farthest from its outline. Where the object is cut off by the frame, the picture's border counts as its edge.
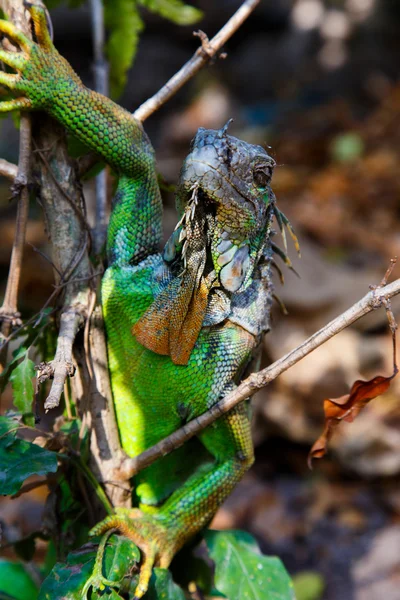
(262, 176)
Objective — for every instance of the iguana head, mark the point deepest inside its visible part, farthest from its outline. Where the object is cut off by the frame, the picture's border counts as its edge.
(226, 206)
(228, 181)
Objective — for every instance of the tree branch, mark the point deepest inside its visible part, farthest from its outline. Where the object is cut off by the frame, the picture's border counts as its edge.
(204, 54)
(376, 298)
(9, 310)
(101, 86)
(104, 442)
(207, 50)
(8, 169)
(61, 199)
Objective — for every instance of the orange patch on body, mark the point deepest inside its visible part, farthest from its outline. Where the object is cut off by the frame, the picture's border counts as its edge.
(171, 325)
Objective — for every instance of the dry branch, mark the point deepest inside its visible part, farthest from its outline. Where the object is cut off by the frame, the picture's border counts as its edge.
(204, 54)
(9, 315)
(101, 85)
(61, 199)
(8, 169)
(9, 310)
(376, 298)
(105, 445)
(207, 51)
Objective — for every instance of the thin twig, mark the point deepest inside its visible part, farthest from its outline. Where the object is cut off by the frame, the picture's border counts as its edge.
(8, 169)
(86, 498)
(106, 453)
(39, 315)
(94, 275)
(67, 398)
(46, 258)
(374, 299)
(207, 50)
(64, 211)
(62, 366)
(100, 66)
(83, 468)
(9, 310)
(85, 403)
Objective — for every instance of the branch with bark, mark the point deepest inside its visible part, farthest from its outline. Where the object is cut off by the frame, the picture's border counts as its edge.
(55, 175)
(101, 75)
(207, 51)
(376, 298)
(9, 315)
(8, 169)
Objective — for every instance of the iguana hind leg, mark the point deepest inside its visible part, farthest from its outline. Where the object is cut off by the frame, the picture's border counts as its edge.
(161, 534)
(193, 505)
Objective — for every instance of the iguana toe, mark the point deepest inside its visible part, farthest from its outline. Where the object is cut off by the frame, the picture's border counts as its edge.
(153, 539)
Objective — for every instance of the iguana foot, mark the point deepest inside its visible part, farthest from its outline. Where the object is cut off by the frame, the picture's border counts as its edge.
(150, 535)
(39, 68)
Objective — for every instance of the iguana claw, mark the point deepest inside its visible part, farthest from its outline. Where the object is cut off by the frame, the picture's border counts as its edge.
(149, 535)
(37, 64)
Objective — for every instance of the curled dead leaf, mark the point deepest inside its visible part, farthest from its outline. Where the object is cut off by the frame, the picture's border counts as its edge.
(346, 408)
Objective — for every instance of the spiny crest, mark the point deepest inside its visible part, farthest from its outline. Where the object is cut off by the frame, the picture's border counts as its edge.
(185, 222)
(224, 129)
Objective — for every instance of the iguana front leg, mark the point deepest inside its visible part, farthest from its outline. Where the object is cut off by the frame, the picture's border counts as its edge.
(45, 80)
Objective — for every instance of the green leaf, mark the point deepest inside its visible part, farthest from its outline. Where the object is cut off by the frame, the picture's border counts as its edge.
(241, 571)
(308, 585)
(113, 596)
(20, 459)
(174, 10)
(67, 580)
(347, 147)
(162, 587)
(11, 365)
(21, 382)
(124, 23)
(187, 567)
(15, 582)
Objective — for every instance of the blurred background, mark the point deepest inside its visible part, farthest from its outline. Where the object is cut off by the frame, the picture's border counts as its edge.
(316, 81)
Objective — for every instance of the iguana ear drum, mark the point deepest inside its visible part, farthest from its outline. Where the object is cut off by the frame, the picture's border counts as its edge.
(234, 273)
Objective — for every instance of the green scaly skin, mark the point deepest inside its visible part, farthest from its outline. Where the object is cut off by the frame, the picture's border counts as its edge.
(198, 316)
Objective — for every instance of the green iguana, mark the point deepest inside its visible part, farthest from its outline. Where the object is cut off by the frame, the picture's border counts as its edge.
(182, 325)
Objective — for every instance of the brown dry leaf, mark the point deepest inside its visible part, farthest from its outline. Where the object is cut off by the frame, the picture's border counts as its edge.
(346, 408)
